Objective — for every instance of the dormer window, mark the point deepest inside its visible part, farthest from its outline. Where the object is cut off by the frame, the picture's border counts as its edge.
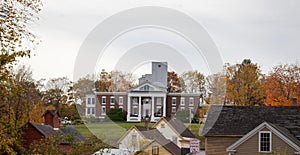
(265, 141)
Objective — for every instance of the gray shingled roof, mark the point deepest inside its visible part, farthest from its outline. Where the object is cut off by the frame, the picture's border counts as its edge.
(239, 120)
(179, 126)
(48, 130)
(154, 134)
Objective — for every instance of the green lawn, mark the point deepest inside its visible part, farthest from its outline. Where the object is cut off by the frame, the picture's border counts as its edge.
(111, 132)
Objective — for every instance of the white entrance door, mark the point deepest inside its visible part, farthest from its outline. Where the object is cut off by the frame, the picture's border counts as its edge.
(146, 107)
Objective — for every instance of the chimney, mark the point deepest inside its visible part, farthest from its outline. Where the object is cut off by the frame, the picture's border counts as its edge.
(51, 118)
(294, 101)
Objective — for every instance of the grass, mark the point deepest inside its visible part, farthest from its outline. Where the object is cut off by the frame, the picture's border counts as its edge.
(111, 132)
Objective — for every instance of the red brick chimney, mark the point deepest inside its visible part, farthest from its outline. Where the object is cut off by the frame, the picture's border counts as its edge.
(51, 117)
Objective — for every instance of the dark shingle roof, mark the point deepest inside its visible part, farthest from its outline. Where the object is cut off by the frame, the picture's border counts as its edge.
(52, 112)
(180, 127)
(46, 130)
(239, 120)
(63, 132)
(154, 134)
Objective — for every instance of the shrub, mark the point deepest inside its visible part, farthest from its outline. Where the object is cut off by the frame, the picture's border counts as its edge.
(116, 114)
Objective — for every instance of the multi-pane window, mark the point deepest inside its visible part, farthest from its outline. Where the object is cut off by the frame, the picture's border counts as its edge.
(112, 100)
(103, 110)
(88, 111)
(103, 99)
(121, 100)
(155, 150)
(93, 100)
(265, 141)
(173, 101)
(158, 101)
(182, 101)
(191, 101)
(173, 109)
(135, 110)
(158, 110)
(93, 111)
(89, 101)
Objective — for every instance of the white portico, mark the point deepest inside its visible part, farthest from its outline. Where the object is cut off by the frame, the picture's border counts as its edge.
(146, 101)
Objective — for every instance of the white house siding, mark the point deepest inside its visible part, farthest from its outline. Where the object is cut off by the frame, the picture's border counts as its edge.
(127, 144)
(168, 132)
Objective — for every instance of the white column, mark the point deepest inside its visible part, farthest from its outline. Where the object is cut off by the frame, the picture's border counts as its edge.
(128, 108)
(140, 108)
(165, 106)
(152, 109)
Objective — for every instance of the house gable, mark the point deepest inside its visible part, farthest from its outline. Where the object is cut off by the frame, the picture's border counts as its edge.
(166, 129)
(250, 142)
(146, 87)
(126, 142)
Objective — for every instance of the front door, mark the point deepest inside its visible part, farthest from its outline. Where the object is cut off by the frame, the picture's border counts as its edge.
(146, 107)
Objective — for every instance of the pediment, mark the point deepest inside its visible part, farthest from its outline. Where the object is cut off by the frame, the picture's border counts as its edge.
(146, 87)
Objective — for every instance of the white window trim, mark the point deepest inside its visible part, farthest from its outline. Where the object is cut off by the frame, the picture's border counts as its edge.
(182, 101)
(112, 103)
(191, 99)
(103, 97)
(121, 99)
(259, 133)
(103, 113)
(174, 98)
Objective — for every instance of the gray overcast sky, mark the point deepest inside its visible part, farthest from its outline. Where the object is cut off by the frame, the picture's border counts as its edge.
(266, 31)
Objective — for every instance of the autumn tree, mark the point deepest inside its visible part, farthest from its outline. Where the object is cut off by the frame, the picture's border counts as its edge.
(56, 91)
(217, 87)
(244, 84)
(84, 86)
(174, 83)
(283, 85)
(114, 81)
(17, 99)
(193, 82)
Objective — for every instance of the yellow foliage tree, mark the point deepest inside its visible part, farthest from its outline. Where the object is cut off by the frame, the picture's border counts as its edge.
(36, 113)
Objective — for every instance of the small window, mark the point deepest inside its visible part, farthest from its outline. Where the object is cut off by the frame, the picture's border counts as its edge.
(103, 110)
(103, 99)
(121, 100)
(158, 111)
(191, 101)
(155, 150)
(173, 109)
(173, 101)
(182, 101)
(89, 101)
(112, 100)
(93, 100)
(265, 141)
(88, 111)
(93, 111)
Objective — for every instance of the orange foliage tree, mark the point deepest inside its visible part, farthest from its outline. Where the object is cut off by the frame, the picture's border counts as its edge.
(283, 85)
